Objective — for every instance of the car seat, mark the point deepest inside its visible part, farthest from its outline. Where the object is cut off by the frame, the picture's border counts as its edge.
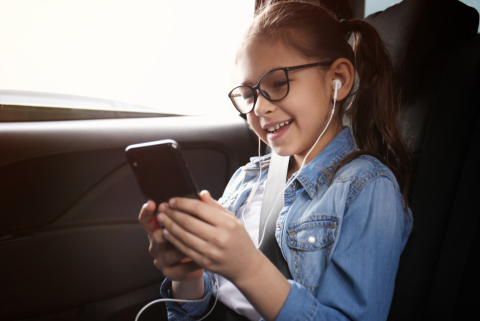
(436, 53)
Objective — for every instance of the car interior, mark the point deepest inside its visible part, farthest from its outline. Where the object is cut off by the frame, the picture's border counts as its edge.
(71, 247)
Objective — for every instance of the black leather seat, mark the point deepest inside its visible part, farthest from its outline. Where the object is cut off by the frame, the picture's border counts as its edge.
(436, 51)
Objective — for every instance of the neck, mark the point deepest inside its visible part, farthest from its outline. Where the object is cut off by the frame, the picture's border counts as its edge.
(297, 159)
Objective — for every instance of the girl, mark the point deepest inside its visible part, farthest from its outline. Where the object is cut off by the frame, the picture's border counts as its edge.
(345, 219)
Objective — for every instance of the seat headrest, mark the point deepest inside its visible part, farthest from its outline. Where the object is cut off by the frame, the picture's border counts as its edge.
(415, 30)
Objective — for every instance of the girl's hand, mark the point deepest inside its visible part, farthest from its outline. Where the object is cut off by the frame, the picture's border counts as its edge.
(173, 263)
(212, 236)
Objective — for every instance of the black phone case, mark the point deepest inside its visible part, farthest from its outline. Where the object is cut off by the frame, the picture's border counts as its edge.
(161, 170)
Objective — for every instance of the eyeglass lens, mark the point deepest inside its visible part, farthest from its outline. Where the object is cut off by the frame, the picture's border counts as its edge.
(273, 86)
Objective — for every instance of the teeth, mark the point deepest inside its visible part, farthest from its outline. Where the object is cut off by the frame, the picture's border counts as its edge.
(277, 126)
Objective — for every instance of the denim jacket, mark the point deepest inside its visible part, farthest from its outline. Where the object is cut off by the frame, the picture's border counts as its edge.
(342, 239)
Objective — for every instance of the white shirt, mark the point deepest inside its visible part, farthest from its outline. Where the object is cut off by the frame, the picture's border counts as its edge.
(230, 295)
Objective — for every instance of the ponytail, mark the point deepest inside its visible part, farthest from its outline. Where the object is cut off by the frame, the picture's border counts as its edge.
(374, 107)
(314, 32)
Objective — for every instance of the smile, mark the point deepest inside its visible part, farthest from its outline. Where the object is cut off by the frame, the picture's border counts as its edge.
(277, 130)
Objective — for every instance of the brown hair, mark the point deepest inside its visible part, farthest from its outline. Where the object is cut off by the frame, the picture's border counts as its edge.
(314, 32)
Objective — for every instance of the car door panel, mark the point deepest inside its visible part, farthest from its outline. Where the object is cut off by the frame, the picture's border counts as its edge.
(71, 243)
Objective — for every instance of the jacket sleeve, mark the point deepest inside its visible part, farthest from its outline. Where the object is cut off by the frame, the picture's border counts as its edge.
(190, 310)
(359, 280)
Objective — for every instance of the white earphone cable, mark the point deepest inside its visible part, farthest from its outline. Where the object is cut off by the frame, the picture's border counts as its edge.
(243, 218)
(185, 301)
(303, 163)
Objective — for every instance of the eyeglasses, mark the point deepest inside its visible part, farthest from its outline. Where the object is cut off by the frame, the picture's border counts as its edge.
(273, 85)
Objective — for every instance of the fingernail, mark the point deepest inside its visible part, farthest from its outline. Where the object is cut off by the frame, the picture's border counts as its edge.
(160, 218)
(165, 232)
(162, 208)
(172, 201)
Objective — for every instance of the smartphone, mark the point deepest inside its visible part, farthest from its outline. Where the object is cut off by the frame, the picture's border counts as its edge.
(161, 171)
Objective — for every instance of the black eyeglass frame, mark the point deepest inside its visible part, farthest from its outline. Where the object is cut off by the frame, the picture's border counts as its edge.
(257, 86)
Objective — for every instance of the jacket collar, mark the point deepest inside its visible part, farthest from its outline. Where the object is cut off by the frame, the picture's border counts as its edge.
(255, 163)
(312, 175)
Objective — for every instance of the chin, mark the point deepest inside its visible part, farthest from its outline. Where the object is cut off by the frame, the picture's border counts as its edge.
(282, 151)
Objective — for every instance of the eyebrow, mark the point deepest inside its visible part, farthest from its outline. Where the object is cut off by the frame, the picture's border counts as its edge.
(251, 84)
(247, 83)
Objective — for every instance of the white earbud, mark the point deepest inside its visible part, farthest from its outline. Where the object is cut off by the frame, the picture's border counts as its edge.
(337, 84)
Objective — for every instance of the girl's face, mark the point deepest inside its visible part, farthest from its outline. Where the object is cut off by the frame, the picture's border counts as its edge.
(306, 108)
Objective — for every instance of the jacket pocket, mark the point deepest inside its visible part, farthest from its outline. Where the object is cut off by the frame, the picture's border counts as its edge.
(310, 241)
(312, 233)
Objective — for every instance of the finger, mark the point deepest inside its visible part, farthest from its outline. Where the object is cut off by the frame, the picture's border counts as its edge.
(146, 217)
(164, 252)
(157, 238)
(175, 256)
(190, 252)
(191, 245)
(205, 212)
(187, 238)
(159, 242)
(191, 224)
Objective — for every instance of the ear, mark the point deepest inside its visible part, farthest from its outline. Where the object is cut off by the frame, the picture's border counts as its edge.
(342, 69)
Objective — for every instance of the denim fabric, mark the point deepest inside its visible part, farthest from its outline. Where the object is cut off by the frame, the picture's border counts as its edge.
(194, 309)
(342, 239)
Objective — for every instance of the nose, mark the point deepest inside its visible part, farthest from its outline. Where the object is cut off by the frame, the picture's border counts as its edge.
(263, 106)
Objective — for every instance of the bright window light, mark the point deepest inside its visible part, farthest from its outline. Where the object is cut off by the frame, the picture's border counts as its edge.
(372, 6)
(173, 56)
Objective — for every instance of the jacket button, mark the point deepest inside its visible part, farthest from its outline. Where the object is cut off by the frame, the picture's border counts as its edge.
(311, 239)
(279, 227)
(293, 184)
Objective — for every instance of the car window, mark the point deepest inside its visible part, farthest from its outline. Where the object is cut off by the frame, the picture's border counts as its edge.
(372, 6)
(474, 4)
(170, 57)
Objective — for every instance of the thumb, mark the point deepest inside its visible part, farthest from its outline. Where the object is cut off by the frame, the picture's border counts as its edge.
(207, 198)
(146, 218)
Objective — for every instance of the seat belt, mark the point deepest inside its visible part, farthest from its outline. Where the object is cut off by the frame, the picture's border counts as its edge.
(277, 176)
